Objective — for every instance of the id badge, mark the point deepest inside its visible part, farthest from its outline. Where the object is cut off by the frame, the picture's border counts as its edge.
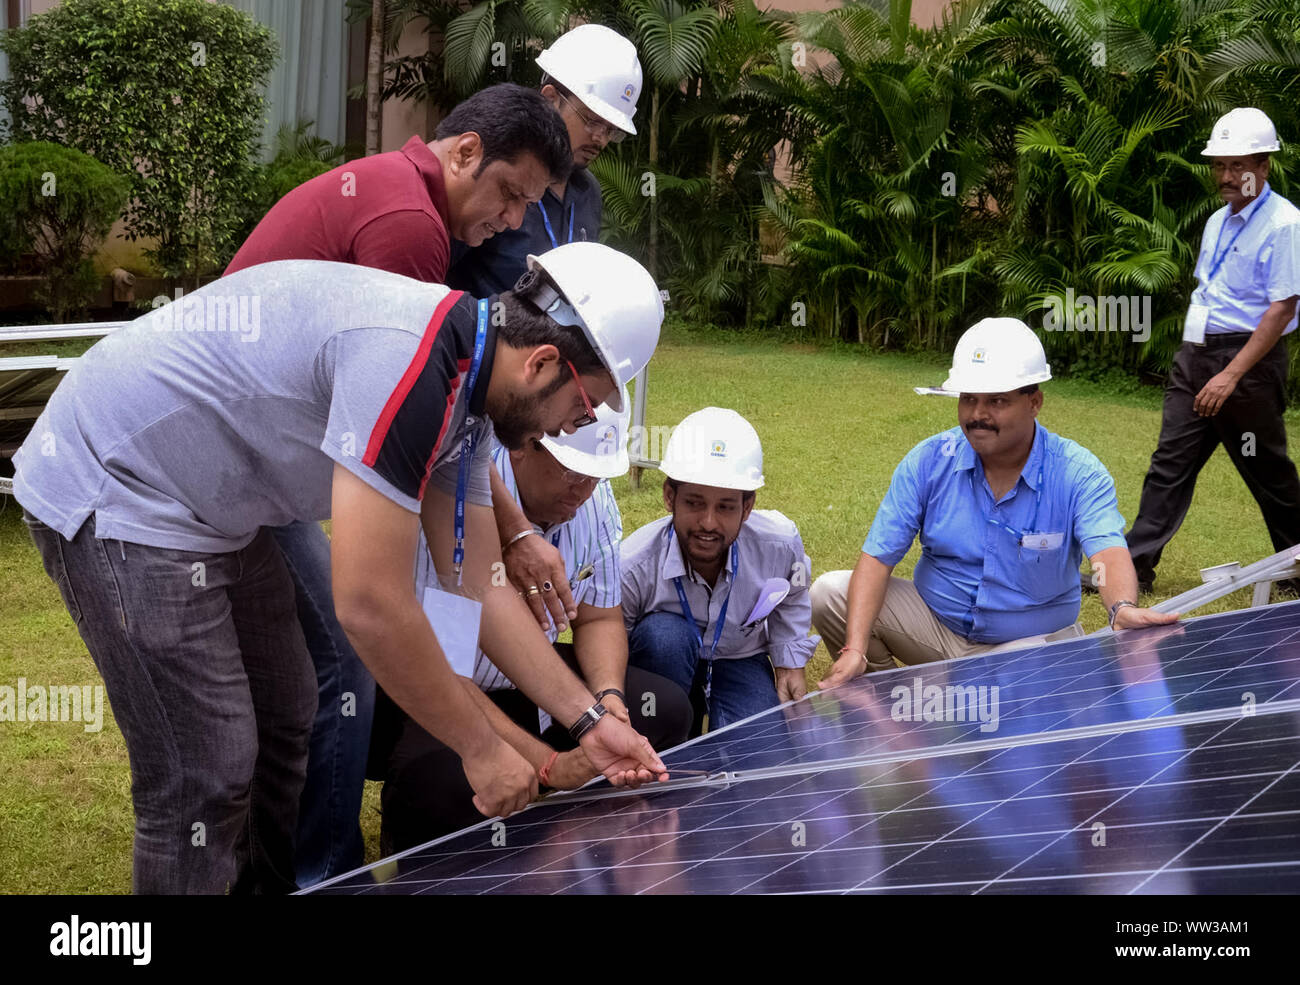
(1042, 542)
(455, 622)
(1194, 325)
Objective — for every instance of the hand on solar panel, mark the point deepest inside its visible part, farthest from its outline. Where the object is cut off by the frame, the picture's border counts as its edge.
(503, 780)
(846, 667)
(622, 754)
(791, 683)
(532, 564)
(1131, 617)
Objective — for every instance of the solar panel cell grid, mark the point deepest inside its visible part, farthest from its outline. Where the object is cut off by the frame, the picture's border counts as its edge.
(1160, 762)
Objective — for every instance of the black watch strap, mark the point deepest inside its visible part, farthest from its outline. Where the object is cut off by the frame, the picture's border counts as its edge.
(614, 691)
(588, 721)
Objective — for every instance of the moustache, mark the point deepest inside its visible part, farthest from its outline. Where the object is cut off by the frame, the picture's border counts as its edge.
(974, 426)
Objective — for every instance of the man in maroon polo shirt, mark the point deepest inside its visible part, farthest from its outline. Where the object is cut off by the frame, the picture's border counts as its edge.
(492, 156)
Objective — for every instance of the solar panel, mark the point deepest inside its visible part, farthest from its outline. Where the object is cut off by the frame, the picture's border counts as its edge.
(1166, 761)
(26, 383)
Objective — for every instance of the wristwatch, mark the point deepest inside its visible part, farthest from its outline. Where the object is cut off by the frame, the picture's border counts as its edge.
(588, 721)
(1114, 609)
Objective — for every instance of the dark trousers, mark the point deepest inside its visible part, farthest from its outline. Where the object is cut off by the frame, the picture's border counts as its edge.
(209, 679)
(1251, 430)
(329, 830)
(426, 794)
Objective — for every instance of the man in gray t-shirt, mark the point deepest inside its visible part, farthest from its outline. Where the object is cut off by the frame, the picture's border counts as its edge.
(297, 390)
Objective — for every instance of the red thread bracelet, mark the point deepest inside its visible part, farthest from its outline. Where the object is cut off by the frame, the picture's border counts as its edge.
(544, 774)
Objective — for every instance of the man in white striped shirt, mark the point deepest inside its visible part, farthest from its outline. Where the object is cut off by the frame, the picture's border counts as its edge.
(562, 486)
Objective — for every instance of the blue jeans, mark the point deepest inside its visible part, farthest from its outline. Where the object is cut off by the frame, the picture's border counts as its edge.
(211, 685)
(665, 644)
(329, 831)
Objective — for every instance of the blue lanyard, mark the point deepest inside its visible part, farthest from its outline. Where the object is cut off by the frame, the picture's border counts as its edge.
(471, 436)
(707, 657)
(1033, 522)
(551, 232)
(1223, 256)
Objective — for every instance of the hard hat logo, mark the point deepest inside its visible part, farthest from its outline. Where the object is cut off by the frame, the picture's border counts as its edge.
(978, 356)
(719, 449)
(629, 94)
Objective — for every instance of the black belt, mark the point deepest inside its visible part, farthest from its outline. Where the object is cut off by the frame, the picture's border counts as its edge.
(1224, 339)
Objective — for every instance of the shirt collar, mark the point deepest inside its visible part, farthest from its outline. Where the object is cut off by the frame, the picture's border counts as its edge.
(430, 168)
(1249, 210)
(964, 459)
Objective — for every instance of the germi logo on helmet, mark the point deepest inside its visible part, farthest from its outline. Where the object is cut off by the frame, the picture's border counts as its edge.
(627, 93)
(718, 449)
(977, 356)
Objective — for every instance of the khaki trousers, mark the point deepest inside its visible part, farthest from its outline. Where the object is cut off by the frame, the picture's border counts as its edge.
(906, 630)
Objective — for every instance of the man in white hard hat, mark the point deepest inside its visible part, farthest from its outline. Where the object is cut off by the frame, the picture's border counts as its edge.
(562, 486)
(592, 77)
(715, 596)
(1228, 380)
(158, 467)
(1004, 508)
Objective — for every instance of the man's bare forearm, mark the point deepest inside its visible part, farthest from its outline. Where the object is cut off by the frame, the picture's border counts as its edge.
(1264, 338)
(1119, 580)
(530, 747)
(510, 518)
(866, 597)
(398, 647)
(600, 643)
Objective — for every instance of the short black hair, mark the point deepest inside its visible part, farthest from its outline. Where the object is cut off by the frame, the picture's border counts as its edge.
(1032, 388)
(522, 325)
(746, 495)
(511, 120)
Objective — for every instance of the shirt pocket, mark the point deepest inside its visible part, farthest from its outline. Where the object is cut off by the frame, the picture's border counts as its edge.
(1243, 273)
(1041, 566)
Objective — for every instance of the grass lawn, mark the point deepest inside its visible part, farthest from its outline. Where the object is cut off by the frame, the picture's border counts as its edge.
(834, 423)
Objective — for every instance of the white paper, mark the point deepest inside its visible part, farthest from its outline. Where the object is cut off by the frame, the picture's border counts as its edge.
(455, 621)
(1194, 325)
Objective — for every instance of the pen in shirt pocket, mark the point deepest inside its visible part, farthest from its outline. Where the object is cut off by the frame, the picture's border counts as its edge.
(585, 572)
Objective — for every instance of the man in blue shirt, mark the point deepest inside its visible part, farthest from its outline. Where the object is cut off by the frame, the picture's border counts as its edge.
(1228, 380)
(1005, 510)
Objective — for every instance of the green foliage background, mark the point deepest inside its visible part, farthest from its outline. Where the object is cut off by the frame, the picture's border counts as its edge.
(1017, 149)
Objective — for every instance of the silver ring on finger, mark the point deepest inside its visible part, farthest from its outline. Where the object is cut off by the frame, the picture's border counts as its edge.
(547, 587)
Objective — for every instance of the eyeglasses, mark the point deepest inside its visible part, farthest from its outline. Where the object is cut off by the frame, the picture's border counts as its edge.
(582, 422)
(571, 477)
(1236, 168)
(596, 127)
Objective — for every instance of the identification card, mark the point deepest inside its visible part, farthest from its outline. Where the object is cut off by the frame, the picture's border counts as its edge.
(455, 621)
(1194, 325)
(1042, 542)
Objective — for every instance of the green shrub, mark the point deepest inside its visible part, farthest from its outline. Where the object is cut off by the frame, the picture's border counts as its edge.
(167, 92)
(59, 206)
(299, 157)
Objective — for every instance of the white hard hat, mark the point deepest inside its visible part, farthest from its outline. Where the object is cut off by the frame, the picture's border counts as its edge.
(715, 447)
(599, 67)
(614, 300)
(598, 449)
(1242, 131)
(996, 355)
